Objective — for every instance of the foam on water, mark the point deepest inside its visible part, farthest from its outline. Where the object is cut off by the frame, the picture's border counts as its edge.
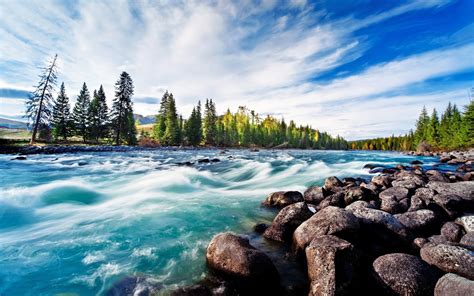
(78, 223)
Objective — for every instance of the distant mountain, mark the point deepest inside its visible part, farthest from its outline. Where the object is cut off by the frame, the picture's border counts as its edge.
(9, 123)
(144, 119)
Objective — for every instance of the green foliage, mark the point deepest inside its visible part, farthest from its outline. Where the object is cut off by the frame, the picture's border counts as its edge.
(172, 133)
(468, 122)
(192, 128)
(123, 125)
(160, 126)
(80, 113)
(98, 120)
(61, 118)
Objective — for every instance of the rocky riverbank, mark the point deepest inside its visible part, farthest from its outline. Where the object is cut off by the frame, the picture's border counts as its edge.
(407, 231)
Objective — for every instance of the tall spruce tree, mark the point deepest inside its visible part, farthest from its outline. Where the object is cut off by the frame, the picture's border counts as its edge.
(80, 113)
(98, 116)
(39, 104)
(171, 135)
(422, 125)
(445, 127)
(209, 125)
(61, 115)
(468, 122)
(432, 135)
(123, 125)
(160, 125)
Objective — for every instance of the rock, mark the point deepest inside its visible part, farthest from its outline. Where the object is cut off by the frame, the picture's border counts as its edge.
(215, 160)
(463, 189)
(391, 205)
(425, 194)
(333, 184)
(398, 193)
(287, 220)
(452, 232)
(416, 162)
(358, 204)
(330, 220)
(409, 182)
(204, 160)
(421, 221)
(449, 258)
(314, 194)
(468, 177)
(260, 227)
(356, 193)
(134, 285)
(383, 181)
(416, 204)
(434, 175)
(350, 182)
(403, 274)
(467, 222)
(194, 290)
(332, 266)
(281, 199)
(233, 256)
(420, 242)
(19, 158)
(370, 187)
(452, 204)
(381, 219)
(468, 240)
(336, 199)
(370, 166)
(453, 285)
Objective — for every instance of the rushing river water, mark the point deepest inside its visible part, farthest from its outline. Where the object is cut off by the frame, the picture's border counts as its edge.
(78, 223)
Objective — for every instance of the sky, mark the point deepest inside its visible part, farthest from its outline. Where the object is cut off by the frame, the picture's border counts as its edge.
(357, 68)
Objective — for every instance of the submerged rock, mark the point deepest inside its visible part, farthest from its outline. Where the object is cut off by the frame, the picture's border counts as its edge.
(232, 256)
(403, 274)
(449, 258)
(287, 220)
(453, 285)
(332, 266)
(281, 199)
(330, 220)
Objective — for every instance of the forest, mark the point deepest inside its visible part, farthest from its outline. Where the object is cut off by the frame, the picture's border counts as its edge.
(454, 130)
(90, 120)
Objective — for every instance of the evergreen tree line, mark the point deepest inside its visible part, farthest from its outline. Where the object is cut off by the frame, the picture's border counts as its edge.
(90, 119)
(243, 128)
(454, 130)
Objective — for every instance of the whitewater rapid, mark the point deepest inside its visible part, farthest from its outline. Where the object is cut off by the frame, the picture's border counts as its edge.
(78, 223)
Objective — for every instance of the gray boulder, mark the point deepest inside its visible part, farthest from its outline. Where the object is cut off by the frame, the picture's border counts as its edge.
(314, 194)
(453, 285)
(463, 189)
(281, 199)
(330, 220)
(287, 220)
(333, 184)
(418, 221)
(383, 181)
(381, 219)
(467, 222)
(398, 193)
(467, 240)
(449, 258)
(452, 232)
(332, 266)
(403, 274)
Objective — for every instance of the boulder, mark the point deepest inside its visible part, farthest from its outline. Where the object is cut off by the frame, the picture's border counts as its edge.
(398, 193)
(416, 204)
(452, 232)
(357, 193)
(332, 266)
(425, 194)
(421, 221)
(232, 256)
(358, 204)
(260, 227)
(467, 222)
(452, 204)
(434, 175)
(330, 220)
(333, 184)
(281, 199)
(287, 220)
(383, 181)
(449, 258)
(391, 205)
(314, 194)
(411, 183)
(463, 189)
(416, 161)
(453, 285)
(336, 199)
(467, 240)
(403, 274)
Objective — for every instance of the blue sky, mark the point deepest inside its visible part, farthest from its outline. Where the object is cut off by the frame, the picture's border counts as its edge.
(356, 68)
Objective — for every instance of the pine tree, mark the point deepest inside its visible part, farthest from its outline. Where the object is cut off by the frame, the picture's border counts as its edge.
(422, 125)
(209, 125)
(80, 113)
(445, 127)
(39, 104)
(468, 123)
(171, 135)
(98, 116)
(456, 129)
(432, 136)
(160, 126)
(123, 125)
(61, 115)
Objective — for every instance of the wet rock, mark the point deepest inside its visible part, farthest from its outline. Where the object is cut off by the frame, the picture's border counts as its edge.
(452, 232)
(416, 204)
(356, 193)
(398, 193)
(287, 220)
(463, 189)
(135, 285)
(425, 194)
(434, 175)
(383, 181)
(370, 187)
(449, 259)
(215, 160)
(336, 199)
(409, 182)
(232, 256)
(403, 274)
(333, 184)
(391, 205)
(416, 162)
(370, 166)
(467, 222)
(281, 199)
(358, 204)
(194, 290)
(468, 240)
(330, 220)
(421, 221)
(314, 194)
(453, 285)
(452, 204)
(19, 158)
(204, 160)
(332, 266)
(260, 227)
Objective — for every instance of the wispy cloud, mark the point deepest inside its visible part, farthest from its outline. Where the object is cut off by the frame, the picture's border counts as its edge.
(267, 55)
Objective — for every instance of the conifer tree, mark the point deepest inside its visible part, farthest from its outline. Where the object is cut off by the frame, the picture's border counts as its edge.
(432, 136)
(209, 125)
(123, 125)
(61, 115)
(422, 126)
(80, 113)
(445, 127)
(171, 135)
(39, 104)
(98, 116)
(160, 125)
(468, 123)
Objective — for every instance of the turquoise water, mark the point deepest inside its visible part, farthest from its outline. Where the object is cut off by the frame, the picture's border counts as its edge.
(78, 223)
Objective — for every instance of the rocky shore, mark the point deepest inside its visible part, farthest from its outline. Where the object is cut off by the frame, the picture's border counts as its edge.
(407, 231)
